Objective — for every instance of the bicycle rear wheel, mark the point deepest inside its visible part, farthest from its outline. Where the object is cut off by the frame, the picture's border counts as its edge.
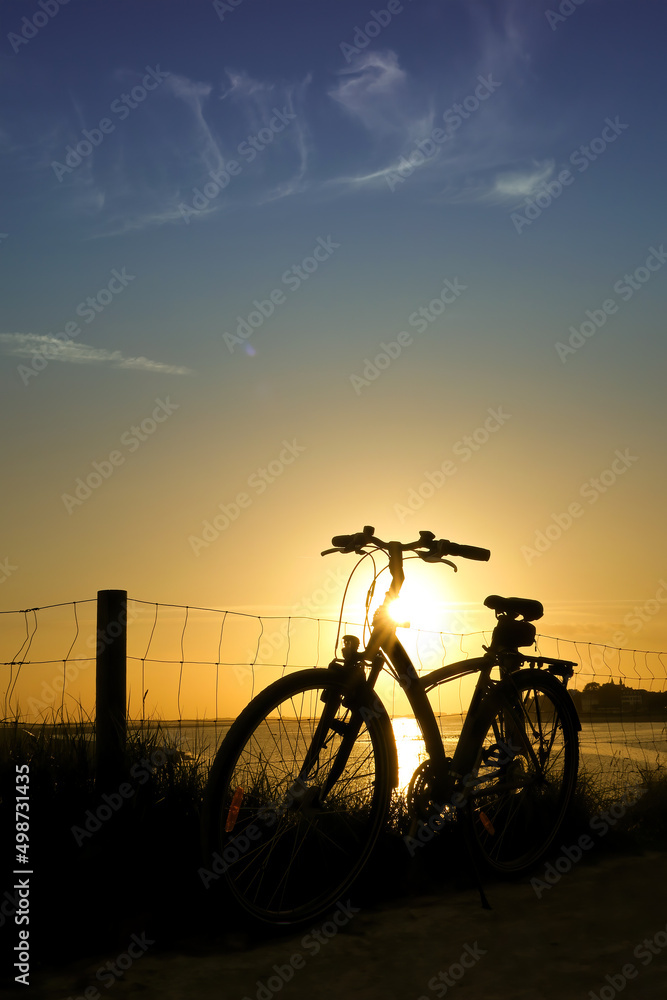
(525, 772)
(297, 796)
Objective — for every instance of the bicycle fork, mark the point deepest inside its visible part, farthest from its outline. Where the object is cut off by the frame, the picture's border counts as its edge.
(329, 725)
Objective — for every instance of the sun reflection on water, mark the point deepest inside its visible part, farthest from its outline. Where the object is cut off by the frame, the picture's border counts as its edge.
(409, 747)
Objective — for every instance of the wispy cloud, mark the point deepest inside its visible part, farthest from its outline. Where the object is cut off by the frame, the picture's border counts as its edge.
(522, 184)
(31, 345)
(192, 132)
(346, 133)
(157, 154)
(499, 149)
(398, 115)
(254, 102)
(379, 94)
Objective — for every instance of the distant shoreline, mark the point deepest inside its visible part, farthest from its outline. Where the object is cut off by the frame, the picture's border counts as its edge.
(89, 727)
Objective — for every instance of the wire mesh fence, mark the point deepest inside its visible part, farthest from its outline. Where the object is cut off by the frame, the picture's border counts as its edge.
(194, 669)
(46, 655)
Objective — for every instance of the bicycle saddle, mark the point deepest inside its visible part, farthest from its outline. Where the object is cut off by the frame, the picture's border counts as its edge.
(513, 606)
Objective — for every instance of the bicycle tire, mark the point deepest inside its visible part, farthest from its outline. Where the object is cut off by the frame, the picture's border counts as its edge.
(517, 800)
(288, 856)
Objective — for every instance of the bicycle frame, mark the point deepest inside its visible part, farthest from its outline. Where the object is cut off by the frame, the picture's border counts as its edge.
(332, 781)
(384, 648)
(383, 639)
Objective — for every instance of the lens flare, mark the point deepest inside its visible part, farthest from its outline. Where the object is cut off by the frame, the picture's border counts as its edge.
(399, 610)
(420, 605)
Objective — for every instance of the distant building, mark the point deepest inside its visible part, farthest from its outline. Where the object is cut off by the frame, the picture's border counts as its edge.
(632, 700)
(590, 701)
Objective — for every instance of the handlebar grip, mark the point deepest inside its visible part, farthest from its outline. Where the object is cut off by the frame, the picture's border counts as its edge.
(469, 552)
(342, 541)
(360, 538)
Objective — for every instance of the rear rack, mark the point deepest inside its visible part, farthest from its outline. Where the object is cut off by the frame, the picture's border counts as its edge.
(562, 668)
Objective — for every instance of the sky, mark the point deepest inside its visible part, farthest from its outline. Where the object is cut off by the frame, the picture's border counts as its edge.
(272, 272)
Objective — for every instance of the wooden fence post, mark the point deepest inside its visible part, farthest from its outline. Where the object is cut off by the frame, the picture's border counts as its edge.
(110, 693)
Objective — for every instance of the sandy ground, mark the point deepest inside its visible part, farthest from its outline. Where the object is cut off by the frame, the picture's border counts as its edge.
(583, 938)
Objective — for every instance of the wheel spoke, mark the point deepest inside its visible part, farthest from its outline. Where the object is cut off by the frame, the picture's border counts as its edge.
(518, 802)
(303, 842)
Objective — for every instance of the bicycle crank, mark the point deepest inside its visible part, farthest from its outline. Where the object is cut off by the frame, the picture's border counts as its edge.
(428, 794)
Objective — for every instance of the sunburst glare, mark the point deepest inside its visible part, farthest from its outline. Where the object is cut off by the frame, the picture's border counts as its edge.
(423, 600)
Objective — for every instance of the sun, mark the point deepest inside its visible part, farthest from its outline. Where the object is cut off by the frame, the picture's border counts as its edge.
(426, 597)
(422, 602)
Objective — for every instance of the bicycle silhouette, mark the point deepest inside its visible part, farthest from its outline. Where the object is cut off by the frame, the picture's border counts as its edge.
(302, 783)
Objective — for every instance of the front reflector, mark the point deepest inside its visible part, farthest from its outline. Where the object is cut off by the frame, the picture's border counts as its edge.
(233, 813)
(487, 824)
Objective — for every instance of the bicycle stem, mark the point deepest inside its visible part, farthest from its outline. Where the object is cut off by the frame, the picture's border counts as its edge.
(396, 571)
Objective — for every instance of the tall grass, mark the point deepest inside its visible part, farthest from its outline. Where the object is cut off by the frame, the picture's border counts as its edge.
(101, 874)
(105, 864)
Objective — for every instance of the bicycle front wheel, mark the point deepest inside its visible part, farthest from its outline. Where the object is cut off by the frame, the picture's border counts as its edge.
(297, 796)
(525, 772)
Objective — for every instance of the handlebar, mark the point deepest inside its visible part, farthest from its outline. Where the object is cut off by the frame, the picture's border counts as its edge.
(433, 550)
(469, 552)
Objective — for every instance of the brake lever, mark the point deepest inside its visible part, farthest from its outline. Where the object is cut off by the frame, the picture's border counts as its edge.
(433, 557)
(345, 550)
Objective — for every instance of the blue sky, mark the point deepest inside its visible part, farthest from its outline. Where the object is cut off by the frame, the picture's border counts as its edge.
(512, 149)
